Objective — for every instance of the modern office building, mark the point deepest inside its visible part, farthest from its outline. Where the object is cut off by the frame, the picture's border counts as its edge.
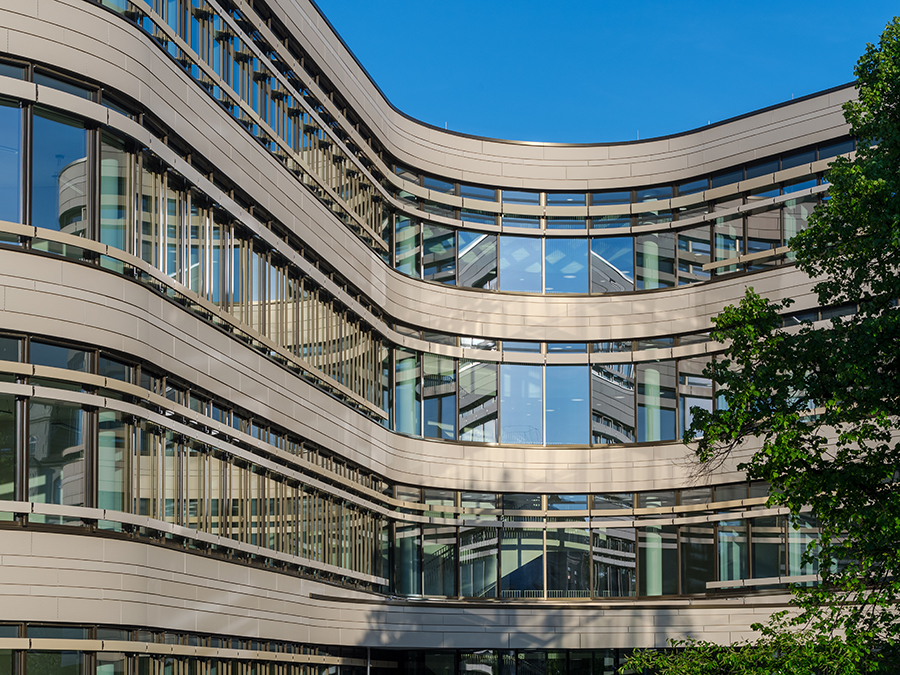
(293, 383)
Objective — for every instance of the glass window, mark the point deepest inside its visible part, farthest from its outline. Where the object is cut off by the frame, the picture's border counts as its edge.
(56, 356)
(767, 547)
(10, 161)
(408, 395)
(477, 260)
(520, 264)
(478, 548)
(798, 185)
(521, 197)
(611, 197)
(654, 194)
(477, 401)
(656, 401)
(438, 185)
(732, 550)
(59, 173)
(531, 222)
(407, 248)
(568, 563)
(477, 217)
(698, 556)
(565, 199)
(566, 347)
(729, 239)
(606, 222)
(438, 254)
(440, 396)
(612, 403)
(612, 264)
(728, 178)
(522, 563)
(798, 158)
(762, 168)
(693, 253)
(566, 223)
(7, 446)
(839, 148)
(525, 347)
(11, 70)
(521, 404)
(408, 563)
(112, 368)
(693, 186)
(568, 401)
(655, 256)
(658, 560)
(115, 192)
(803, 533)
(63, 85)
(566, 266)
(439, 560)
(55, 453)
(111, 461)
(59, 663)
(614, 562)
(694, 390)
(477, 192)
(796, 214)
(9, 349)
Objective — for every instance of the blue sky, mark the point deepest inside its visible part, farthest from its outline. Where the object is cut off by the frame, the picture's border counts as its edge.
(593, 70)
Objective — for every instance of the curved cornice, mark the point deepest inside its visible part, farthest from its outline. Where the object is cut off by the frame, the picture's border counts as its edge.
(552, 166)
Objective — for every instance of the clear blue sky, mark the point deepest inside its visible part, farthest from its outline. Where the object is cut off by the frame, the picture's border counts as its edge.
(600, 70)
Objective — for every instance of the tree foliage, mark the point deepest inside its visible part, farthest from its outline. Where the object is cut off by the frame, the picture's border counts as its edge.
(823, 405)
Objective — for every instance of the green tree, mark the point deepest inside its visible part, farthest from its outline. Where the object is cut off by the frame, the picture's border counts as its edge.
(822, 408)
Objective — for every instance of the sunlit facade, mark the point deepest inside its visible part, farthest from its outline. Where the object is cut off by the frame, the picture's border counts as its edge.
(293, 383)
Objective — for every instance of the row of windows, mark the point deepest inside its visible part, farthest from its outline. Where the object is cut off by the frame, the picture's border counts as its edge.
(133, 466)
(599, 264)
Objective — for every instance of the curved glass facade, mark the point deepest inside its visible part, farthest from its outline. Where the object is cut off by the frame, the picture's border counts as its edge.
(280, 390)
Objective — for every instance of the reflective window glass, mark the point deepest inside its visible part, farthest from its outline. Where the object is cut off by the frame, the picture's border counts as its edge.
(612, 403)
(656, 401)
(615, 569)
(7, 446)
(727, 178)
(612, 264)
(521, 197)
(566, 266)
(408, 393)
(568, 563)
(653, 194)
(478, 549)
(438, 254)
(45, 80)
(439, 560)
(655, 259)
(439, 391)
(10, 161)
(698, 556)
(522, 563)
(565, 199)
(798, 158)
(520, 264)
(611, 197)
(111, 461)
(531, 222)
(56, 356)
(476, 192)
(568, 401)
(115, 191)
(566, 223)
(518, 346)
(407, 247)
(658, 560)
(521, 404)
(478, 404)
(59, 173)
(10, 349)
(607, 222)
(693, 253)
(55, 453)
(694, 390)
(477, 260)
(693, 186)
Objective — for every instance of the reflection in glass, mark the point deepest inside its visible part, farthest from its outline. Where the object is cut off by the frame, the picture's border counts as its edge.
(698, 557)
(520, 264)
(694, 390)
(59, 173)
(477, 401)
(115, 191)
(522, 563)
(803, 533)
(568, 563)
(568, 400)
(10, 162)
(438, 254)
(566, 266)
(612, 403)
(614, 562)
(111, 461)
(656, 401)
(521, 404)
(612, 264)
(407, 563)
(796, 214)
(728, 233)
(440, 396)
(439, 560)
(477, 260)
(58, 663)
(408, 394)
(767, 549)
(478, 561)
(7, 447)
(406, 246)
(55, 453)
(57, 356)
(732, 550)
(693, 253)
(763, 233)
(658, 560)
(655, 259)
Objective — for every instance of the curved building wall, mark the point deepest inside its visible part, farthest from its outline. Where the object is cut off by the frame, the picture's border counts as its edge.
(259, 397)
